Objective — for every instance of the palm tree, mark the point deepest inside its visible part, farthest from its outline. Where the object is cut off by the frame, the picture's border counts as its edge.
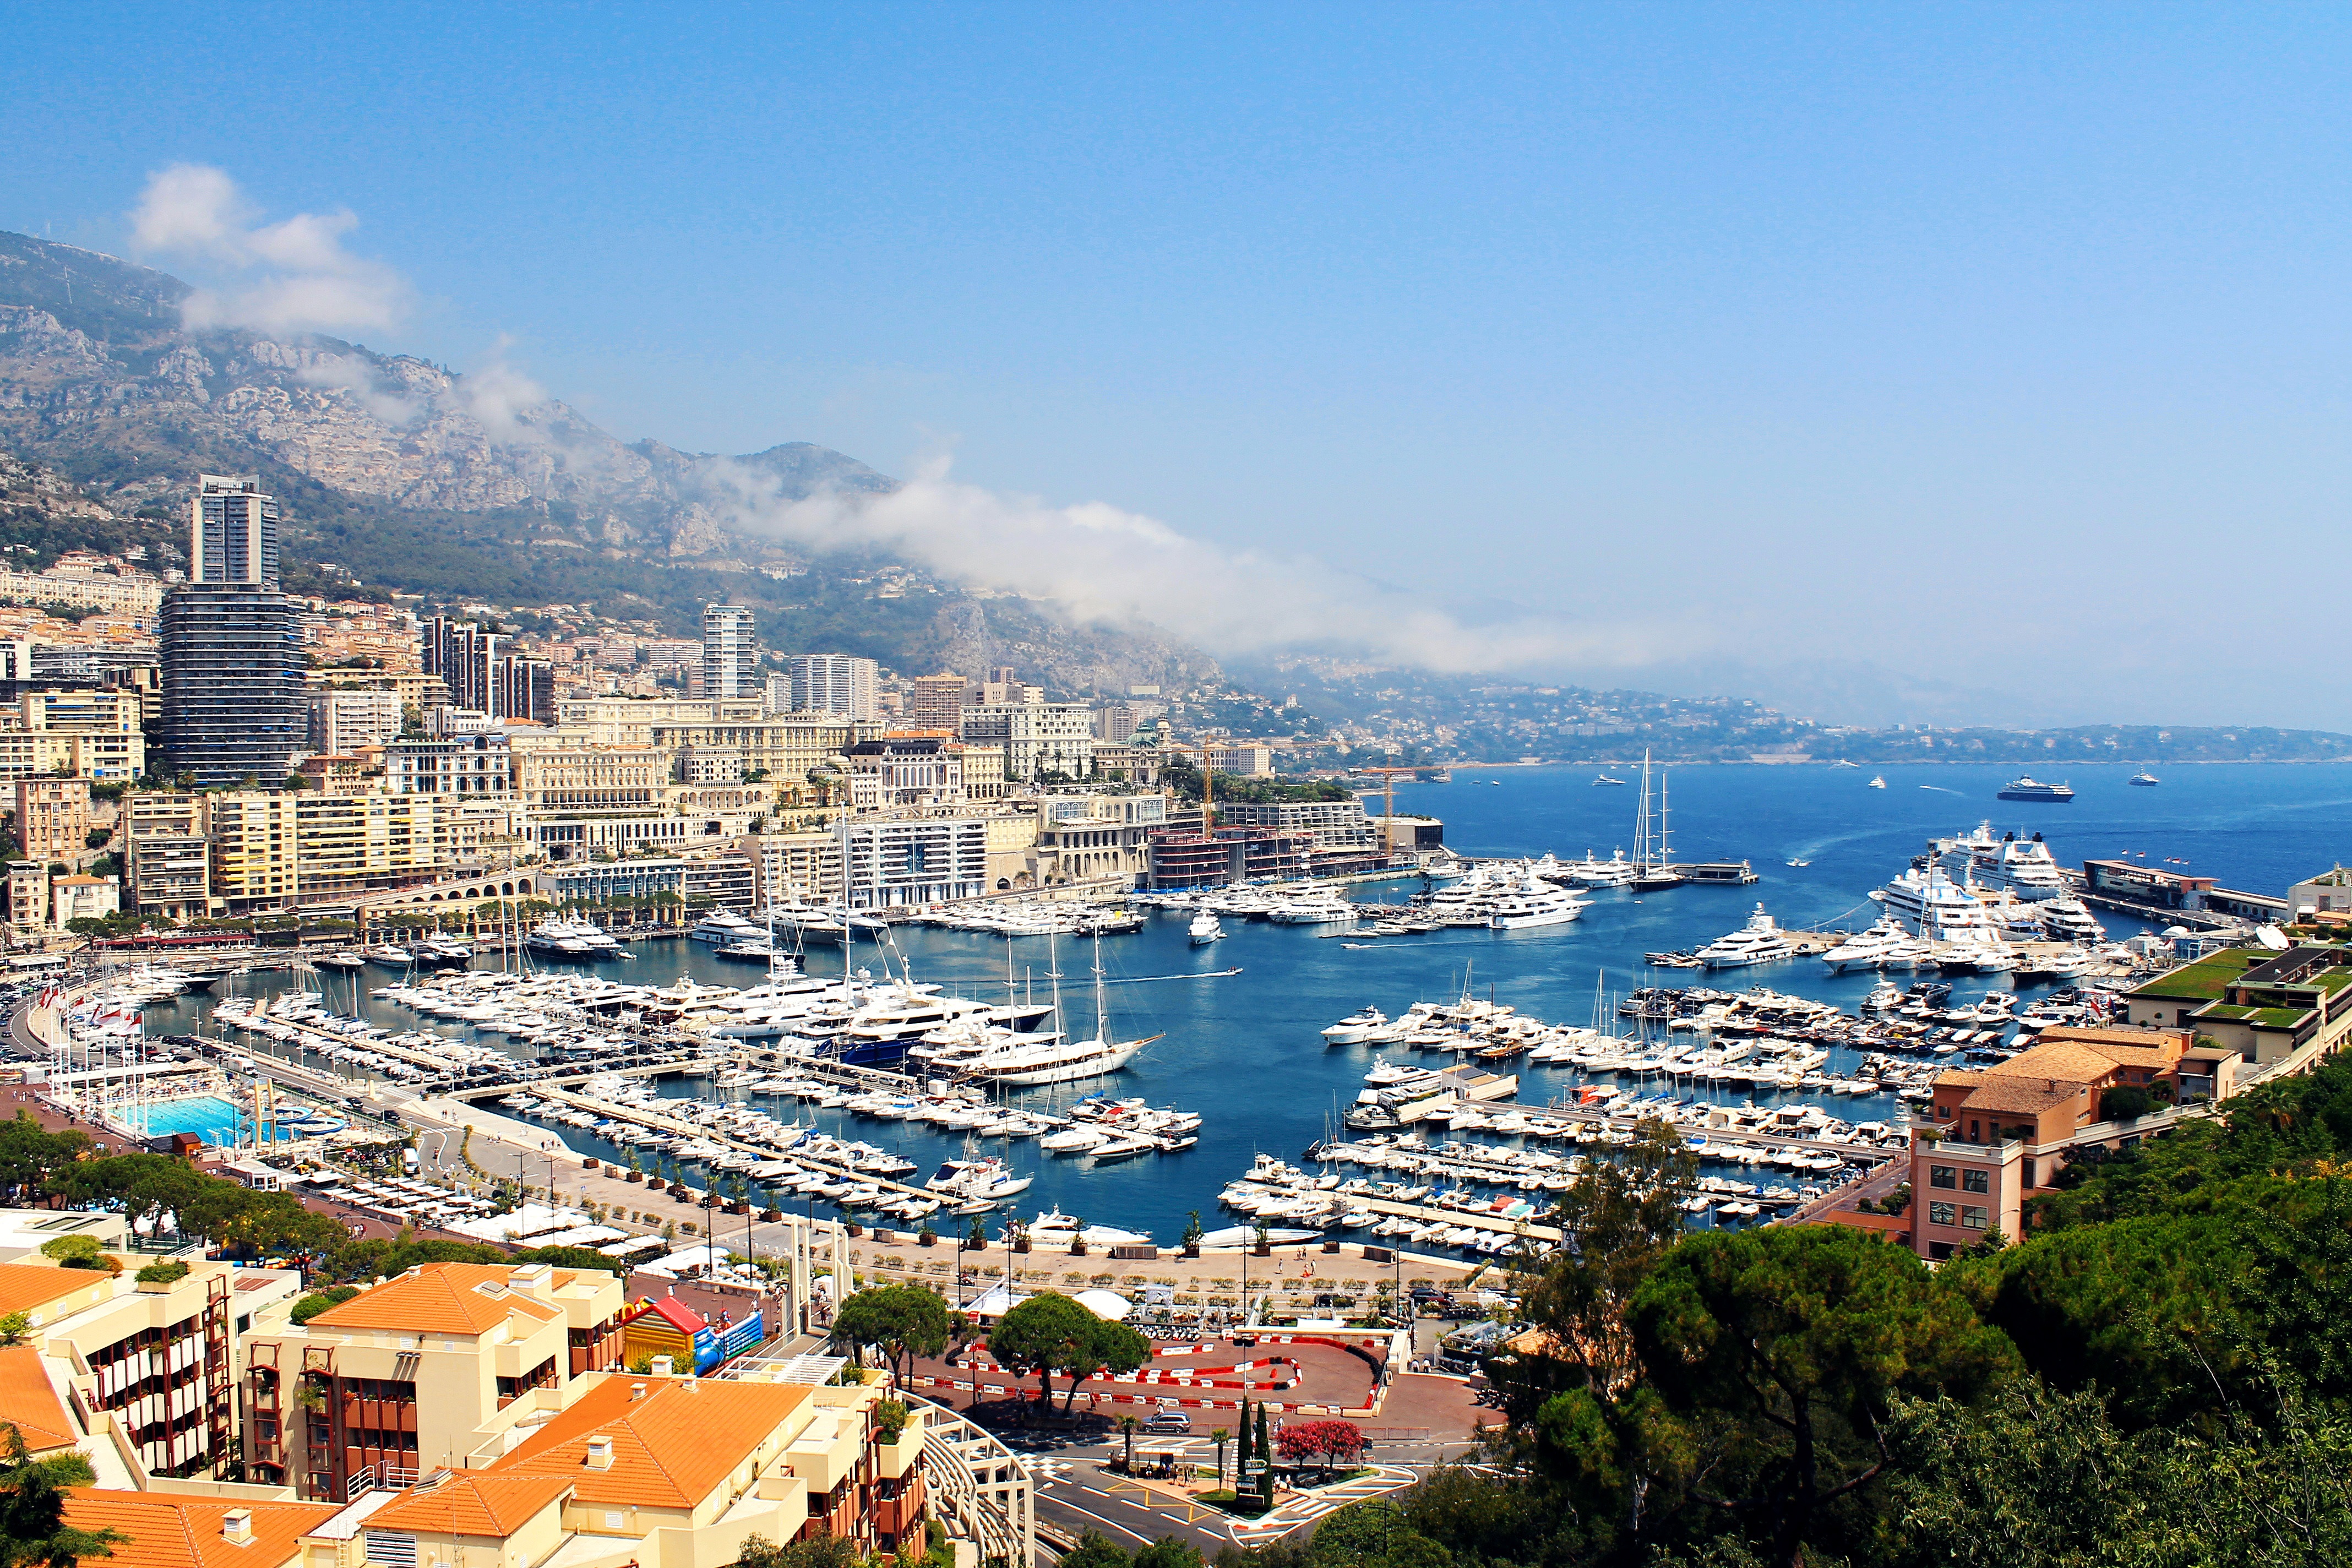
(1220, 1436)
(1128, 1425)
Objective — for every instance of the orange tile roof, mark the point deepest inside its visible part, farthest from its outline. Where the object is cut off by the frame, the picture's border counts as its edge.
(27, 1286)
(185, 1532)
(2020, 1096)
(435, 1298)
(492, 1506)
(2061, 1060)
(670, 1449)
(29, 1401)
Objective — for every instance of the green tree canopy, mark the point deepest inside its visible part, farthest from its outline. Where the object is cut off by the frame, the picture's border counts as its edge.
(905, 1321)
(1781, 1348)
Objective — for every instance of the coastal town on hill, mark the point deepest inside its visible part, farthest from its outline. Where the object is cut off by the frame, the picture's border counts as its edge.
(929, 786)
(351, 1177)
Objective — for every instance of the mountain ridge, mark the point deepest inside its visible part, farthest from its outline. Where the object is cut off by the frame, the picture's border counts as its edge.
(405, 474)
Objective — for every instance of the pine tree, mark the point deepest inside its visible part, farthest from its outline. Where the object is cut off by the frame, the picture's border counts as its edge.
(1248, 1437)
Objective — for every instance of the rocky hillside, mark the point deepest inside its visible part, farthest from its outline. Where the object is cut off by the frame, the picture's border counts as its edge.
(406, 475)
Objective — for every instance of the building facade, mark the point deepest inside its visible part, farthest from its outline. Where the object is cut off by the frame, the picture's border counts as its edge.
(831, 683)
(343, 721)
(52, 817)
(477, 766)
(1036, 738)
(905, 770)
(936, 703)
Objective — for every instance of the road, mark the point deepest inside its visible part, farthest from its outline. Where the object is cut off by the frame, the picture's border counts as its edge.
(1075, 1492)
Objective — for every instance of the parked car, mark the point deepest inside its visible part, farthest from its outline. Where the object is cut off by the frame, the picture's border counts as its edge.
(1168, 1421)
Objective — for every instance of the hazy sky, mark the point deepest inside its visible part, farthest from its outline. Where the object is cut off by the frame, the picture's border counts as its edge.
(1996, 355)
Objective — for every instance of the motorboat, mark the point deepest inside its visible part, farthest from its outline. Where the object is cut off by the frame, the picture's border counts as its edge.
(1205, 930)
(1876, 782)
(1600, 779)
(968, 1180)
(2144, 779)
(1356, 1027)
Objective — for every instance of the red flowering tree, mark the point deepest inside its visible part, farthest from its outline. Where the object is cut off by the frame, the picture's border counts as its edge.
(1329, 1441)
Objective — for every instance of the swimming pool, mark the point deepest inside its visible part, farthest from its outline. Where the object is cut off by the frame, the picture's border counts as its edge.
(209, 1117)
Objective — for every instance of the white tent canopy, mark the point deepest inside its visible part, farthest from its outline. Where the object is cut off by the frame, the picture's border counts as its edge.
(1108, 1305)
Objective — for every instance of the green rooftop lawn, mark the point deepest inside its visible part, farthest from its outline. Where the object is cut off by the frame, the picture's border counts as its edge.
(2206, 978)
(2280, 1017)
(2221, 1010)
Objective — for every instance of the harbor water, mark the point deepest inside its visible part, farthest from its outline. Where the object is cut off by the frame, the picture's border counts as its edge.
(1245, 1052)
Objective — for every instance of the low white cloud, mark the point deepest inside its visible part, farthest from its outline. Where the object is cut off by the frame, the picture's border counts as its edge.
(1101, 563)
(291, 276)
(500, 395)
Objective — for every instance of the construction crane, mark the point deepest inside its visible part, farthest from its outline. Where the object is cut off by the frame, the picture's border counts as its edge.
(1388, 799)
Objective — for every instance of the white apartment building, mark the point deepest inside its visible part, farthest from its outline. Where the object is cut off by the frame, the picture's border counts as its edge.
(343, 721)
(897, 862)
(829, 684)
(1036, 738)
(730, 652)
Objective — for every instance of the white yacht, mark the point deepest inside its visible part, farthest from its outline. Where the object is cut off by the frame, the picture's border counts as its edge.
(1876, 782)
(1875, 948)
(1205, 930)
(1758, 942)
(1594, 872)
(561, 938)
(1315, 909)
(1536, 903)
(721, 927)
(1356, 1027)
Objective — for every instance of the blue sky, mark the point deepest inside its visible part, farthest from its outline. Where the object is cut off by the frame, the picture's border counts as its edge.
(1992, 356)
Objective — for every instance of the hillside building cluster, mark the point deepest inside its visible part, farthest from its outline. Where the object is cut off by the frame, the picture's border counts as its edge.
(260, 754)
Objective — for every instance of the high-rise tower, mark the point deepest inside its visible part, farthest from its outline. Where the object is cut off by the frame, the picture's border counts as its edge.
(232, 532)
(730, 652)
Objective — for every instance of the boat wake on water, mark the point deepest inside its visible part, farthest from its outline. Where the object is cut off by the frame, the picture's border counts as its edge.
(1940, 789)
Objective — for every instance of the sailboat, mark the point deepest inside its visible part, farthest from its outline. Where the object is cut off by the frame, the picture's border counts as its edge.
(1023, 1061)
(1653, 849)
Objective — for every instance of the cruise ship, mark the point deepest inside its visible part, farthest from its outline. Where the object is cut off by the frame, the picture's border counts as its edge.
(1930, 904)
(1758, 942)
(2023, 865)
(2025, 787)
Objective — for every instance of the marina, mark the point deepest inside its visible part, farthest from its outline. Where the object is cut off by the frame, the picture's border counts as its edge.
(1245, 1046)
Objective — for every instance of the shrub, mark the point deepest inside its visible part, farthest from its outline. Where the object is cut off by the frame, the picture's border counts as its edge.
(170, 1273)
(2124, 1102)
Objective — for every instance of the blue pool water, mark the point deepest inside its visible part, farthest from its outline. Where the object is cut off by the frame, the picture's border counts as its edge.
(1245, 1052)
(211, 1118)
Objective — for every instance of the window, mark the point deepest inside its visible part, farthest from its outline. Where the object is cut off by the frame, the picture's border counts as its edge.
(2029, 1175)
(1942, 1176)
(1973, 1218)
(1976, 1181)
(1939, 1214)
